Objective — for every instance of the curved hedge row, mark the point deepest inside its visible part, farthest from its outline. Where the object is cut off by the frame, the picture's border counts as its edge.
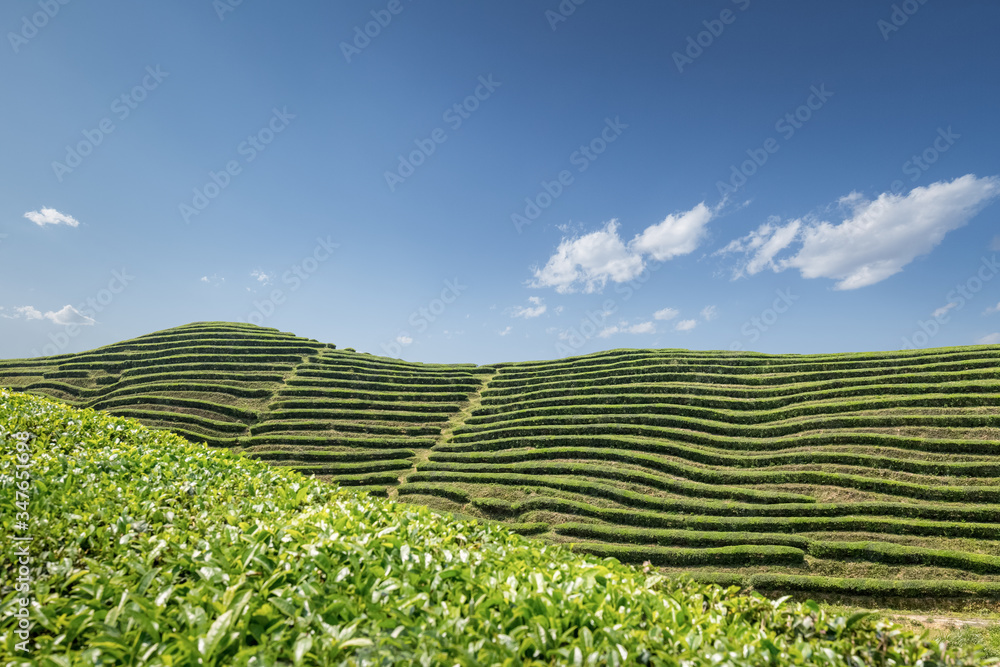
(735, 556)
(984, 468)
(647, 519)
(679, 486)
(667, 536)
(574, 439)
(976, 494)
(657, 425)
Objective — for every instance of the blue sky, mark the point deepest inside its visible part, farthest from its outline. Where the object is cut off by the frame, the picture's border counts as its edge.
(480, 182)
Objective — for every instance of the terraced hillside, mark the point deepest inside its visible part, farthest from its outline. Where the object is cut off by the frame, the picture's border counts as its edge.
(868, 474)
(348, 417)
(745, 466)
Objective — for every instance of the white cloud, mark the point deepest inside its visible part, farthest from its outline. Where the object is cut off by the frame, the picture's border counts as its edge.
(943, 309)
(686, 325)
(591, 259)
(678, 234)
(506, 331)
(527, 312)
(214, 280)
(69, 315)
(625, 327)
(763, 243)
(403, 339)
(709, 313)
(992, 309)
(991, 339)
(588, 262)
(27, 312)
(262, 277)
(65, 316)
(878, 239)
(666, 314)
(50, 216)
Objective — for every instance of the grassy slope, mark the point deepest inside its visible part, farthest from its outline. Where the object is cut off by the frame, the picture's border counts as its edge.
(152, 550)
(787, 472)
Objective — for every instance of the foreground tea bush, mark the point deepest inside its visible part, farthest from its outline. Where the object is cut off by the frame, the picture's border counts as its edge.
(151, 550)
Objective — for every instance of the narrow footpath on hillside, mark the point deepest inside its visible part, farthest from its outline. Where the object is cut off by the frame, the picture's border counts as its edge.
(464, 412)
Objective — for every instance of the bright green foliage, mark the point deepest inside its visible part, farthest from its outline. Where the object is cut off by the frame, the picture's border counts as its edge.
(151, 550)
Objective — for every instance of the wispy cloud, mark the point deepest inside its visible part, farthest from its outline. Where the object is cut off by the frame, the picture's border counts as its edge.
(262, 277)
(625, 327)
(588, 262)
(991, 339)
(536, 308)
(65, 316)
(686, 325)
(214, 280)
(506, 331)
(709, 313)
(50, 216)
(666, 314)
(944, 309)
(875, 241)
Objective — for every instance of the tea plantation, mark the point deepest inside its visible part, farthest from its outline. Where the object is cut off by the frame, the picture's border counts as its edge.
(147, 549)
(846, 475)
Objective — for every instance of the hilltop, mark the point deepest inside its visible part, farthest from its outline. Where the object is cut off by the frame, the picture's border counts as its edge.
(150, 550)
(871, 475)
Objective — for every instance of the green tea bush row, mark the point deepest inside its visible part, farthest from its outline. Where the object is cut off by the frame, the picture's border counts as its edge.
(350, 468)
(536, 474)
(448, 491)
(368, 385)
(472, 462)
(382, 396)
(368, 479)
(233, 367)
(981, 494)
(898, 554)
(638, 457)
(653, 425)
(369, 415)
(755, 416)
(182, 377)
(570, 438)
(735, 556)
(713, 365)
(343, 441)
(622, 359)
(876, 588)
(688, 386)
(713, 374)
(343, 427)
(668, 537)
(306, 371)
(331, 457)
(434, 411)
(646, 519)
(674, 395)
(180, 418)
(237, 412)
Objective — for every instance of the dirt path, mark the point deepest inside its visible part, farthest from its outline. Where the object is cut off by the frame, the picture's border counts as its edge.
(457, 419)
(935, 622)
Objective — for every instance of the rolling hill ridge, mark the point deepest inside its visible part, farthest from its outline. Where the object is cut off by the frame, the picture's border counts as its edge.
(870, 474)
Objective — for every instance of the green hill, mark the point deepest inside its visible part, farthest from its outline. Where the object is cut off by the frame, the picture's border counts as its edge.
(850, 474)
(149, 550)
